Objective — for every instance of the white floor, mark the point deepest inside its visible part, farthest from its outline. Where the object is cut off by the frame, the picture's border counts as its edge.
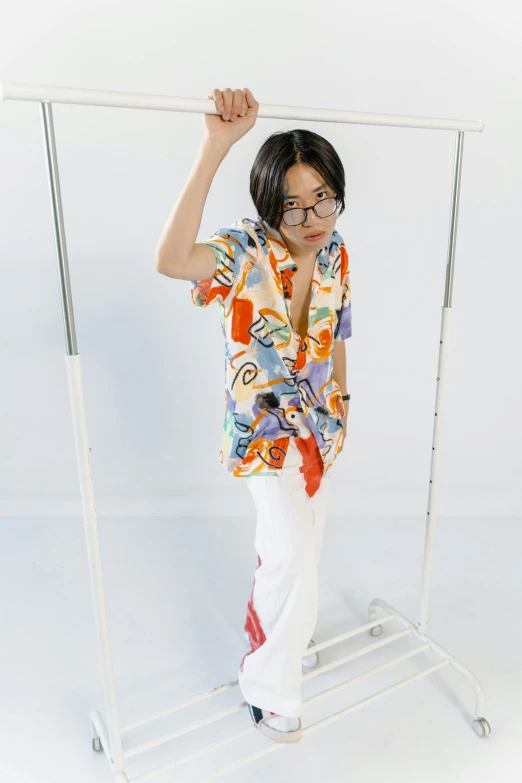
(177, 591)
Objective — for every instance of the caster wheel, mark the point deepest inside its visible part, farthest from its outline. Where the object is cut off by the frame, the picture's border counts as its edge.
(376, 630)
(96, 744)
(481, 727)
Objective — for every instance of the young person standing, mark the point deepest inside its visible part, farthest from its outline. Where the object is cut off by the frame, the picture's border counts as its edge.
(282, 283)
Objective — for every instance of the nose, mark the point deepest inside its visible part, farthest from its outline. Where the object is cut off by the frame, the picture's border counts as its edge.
(311, 219)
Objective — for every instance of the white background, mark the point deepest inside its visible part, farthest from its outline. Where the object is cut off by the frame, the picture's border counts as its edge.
(177, 588)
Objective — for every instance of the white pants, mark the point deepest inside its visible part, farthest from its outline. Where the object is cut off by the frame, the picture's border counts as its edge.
(282, 611)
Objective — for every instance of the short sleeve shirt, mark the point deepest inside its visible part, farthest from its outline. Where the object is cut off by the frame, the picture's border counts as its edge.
(271, 374)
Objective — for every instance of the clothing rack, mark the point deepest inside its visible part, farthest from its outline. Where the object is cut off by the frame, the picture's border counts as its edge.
(107, 733)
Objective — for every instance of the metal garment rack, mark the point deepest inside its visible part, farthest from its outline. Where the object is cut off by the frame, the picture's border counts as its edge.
(107, 733)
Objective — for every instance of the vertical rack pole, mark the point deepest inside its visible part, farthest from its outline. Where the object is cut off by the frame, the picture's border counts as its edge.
(72, 359)
(441, 385)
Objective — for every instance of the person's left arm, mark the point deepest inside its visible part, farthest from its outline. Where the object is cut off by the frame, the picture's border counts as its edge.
(339, 374)
(343, 330)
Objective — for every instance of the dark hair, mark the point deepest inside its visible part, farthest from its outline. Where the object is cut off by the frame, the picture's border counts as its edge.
(281, 151)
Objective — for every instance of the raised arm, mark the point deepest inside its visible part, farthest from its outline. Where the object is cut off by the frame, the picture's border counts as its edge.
(178, 255)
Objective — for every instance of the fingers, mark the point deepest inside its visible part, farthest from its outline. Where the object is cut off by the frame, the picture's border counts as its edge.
(244, 104)
(237, 104)
(251, 101)
(218, 99)
(233, 103)
(226, 102)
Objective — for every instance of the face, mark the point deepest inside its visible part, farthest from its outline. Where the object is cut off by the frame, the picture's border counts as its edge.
(304, 187)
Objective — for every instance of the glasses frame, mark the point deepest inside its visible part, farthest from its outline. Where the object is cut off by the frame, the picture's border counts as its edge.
(305, 209)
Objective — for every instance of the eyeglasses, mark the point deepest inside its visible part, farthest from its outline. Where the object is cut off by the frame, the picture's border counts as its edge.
(323, 208)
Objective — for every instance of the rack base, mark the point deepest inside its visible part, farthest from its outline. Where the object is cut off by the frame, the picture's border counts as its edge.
(100, 736)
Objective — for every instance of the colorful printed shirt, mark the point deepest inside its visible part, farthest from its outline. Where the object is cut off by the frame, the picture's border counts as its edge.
(270, 372)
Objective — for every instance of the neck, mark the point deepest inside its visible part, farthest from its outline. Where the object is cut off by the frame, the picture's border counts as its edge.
(299, 256)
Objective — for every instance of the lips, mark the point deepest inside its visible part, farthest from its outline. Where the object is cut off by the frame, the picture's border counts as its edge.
(316, 235)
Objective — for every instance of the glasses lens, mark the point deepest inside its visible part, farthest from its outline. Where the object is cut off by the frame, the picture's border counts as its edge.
(293, 217)
(325, 207)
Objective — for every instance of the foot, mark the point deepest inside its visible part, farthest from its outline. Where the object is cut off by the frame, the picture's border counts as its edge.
(278, 728)
(311, 661)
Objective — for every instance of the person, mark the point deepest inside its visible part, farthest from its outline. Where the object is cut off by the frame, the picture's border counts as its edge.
(282, 282)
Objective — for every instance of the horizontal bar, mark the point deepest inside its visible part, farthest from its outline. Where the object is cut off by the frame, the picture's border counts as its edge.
(10, 91)
(241, 705)
(191, 727)
(376, 669)
(233, 683)
(395, 687)
(232, 737)
(325, 721)
(350, 634)
(477, 687)
(194, 700)
(326, 667)
(185, 759)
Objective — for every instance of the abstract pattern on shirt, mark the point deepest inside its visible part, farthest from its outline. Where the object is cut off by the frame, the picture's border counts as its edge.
(270, 372)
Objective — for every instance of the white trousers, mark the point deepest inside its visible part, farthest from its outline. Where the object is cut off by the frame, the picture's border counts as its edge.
(282, 611)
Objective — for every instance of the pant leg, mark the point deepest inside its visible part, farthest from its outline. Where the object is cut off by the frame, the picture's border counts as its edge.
(316, 480)
(282, 611)
(319, 504)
